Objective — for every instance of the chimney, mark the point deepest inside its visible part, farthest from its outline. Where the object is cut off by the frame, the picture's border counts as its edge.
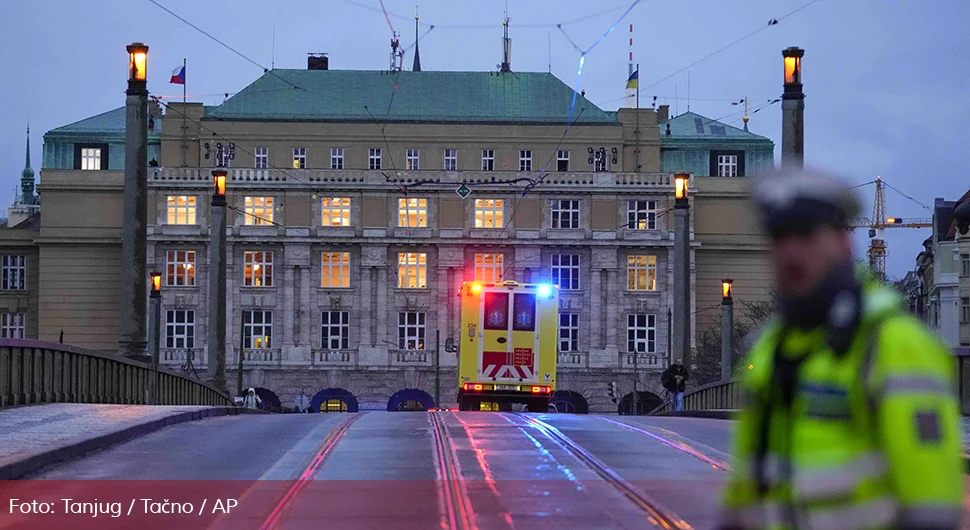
(317, 61)
(663, 113)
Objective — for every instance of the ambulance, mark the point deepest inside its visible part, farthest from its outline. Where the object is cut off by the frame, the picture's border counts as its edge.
(507, 348)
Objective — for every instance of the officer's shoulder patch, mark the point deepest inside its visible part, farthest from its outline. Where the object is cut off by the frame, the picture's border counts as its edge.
(928, 427)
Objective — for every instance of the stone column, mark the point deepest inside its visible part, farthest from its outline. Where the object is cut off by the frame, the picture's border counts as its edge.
(216, 329)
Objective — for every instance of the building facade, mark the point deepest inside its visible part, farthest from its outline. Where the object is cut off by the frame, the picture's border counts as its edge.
(358, 204)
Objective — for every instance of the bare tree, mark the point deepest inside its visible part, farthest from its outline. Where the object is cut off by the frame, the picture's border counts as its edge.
(707, 354)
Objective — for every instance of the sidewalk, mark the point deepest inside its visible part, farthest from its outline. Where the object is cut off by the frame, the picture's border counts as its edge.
(36, 436)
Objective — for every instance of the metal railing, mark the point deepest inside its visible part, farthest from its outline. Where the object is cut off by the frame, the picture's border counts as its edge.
(34, 371)
(713, 396)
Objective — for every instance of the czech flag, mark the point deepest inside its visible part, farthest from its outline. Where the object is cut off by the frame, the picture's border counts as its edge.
(634, 80)
(178, 76)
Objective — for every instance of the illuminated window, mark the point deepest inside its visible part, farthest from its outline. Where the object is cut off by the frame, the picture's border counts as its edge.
(374, 158)
(257, 329)
(180, 267)
(411, 330)
(262, 158)
(336, 269)
(525, 160)
(258, 211)
(336, 211)
(259, 268)
(641, 273)
(488, 213)
(413, 159)
(562, 160)
(12, 325)
(488, 160)
(412, 270)
(641, 215)
(91, 158)
(180, 328)
(488, 268)
(299, 158)
(335, 327)
(336, 158)
(641, 333)
(14, 272)
(565, 214)
(451, 160)
(181, 210)
(727, 165)
(412, 213)
(565, 271)
(568, 332)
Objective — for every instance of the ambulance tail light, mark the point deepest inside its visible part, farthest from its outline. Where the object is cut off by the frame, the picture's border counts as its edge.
(477, 387)
(541, 389)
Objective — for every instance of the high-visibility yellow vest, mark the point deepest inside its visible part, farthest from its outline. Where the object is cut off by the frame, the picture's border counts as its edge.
(872, 438)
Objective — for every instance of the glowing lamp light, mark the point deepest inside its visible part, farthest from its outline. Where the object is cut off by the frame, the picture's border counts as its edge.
(476, 287)
(793, 65)
(544, 290)
(219, 182)
(680, 185)
(156, 282)
(137, 61)
(893, 220)
(726, 288)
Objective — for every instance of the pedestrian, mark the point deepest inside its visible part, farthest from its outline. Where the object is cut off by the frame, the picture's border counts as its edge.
(251, 401)
(850, 419)
(674, 379)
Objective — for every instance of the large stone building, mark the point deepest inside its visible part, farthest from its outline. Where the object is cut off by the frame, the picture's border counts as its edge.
(348, 242)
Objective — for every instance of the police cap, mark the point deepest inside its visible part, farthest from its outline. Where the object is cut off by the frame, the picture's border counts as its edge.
(801, 202)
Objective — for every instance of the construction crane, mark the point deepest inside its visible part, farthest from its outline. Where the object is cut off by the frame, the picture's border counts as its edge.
(878, 222)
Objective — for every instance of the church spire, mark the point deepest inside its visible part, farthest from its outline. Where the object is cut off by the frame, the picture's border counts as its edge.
(417, 56)
(27, 177)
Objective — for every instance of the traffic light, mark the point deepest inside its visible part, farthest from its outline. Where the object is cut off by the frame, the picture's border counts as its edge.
(613, 392)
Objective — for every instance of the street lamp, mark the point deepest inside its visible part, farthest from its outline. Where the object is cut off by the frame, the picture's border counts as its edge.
(793, 111)
(681, 314)
(155, 334)
(134, 239)
(216, 354)
(793, 66)
(727, 328)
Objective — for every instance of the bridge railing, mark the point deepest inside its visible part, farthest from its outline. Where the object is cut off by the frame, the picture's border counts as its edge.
(44, 372)
(713, 396)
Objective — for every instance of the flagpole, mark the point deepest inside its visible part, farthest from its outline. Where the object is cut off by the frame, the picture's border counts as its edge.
(638, 117)
(184, 144)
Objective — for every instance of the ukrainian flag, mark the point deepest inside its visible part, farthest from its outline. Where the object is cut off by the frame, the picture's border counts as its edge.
(633, 82)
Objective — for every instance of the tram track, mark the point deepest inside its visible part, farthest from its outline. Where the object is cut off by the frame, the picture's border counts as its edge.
(656, 514)
(673, 444)
(456, 508)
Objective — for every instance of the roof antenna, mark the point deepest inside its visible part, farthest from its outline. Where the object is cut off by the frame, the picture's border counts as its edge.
(688, 90)
(550, 51)
(273, 65)
(506, 44)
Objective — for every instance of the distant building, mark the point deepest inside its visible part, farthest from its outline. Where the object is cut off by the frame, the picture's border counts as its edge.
(348, 241)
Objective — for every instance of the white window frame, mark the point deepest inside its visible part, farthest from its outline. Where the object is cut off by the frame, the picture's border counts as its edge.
(562, 155)
(563, 263)
(451, 160)
(638, 324)
(412, 270)
(727, 165)
(489, 268)
(258, 268)
(335, 330)
(14, 272)
(568, 332)
(641, 272)
(335, 270)
(601, 164)
(179, 334)
(641, 214)
(374, 158)
(565, 214)
(335, 211)
(258, 211)
(488, 160)
(413, 159)
(964, 264)
(964, 310)
(261, 158)
(412, 212)
(336, 158)
(180, 268)
(299, 158)
(412, 330)
(181, 210)
(13, 325)
(250, 326)
(489, 213)
(90, 158)
(525, 160)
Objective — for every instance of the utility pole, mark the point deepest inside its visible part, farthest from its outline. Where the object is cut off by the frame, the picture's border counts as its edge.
(216, 355)
(793, 111)
(681, 324)
(437, 368)
(134, 237)
(727, 328)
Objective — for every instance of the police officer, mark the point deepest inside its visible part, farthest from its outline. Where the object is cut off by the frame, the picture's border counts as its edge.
(850, 418)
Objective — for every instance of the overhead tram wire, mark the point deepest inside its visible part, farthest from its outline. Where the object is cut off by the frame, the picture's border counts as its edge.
(228, 47)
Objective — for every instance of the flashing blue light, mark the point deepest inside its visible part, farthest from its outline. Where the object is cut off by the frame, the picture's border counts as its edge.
(544, 290)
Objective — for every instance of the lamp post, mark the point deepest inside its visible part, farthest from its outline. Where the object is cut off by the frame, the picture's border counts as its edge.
(216, 355)
(793, 111)
(727, 328)
(681, 325)
(155, 335)
(133, 340)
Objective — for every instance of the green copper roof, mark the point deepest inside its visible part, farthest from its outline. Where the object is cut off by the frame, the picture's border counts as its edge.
(694, 126)
(436, 97)
(111, 122)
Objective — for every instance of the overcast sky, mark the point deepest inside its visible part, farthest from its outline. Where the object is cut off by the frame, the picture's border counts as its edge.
(885, 81)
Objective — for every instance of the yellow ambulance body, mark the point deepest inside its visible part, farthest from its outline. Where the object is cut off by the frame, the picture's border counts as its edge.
(507, 345)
